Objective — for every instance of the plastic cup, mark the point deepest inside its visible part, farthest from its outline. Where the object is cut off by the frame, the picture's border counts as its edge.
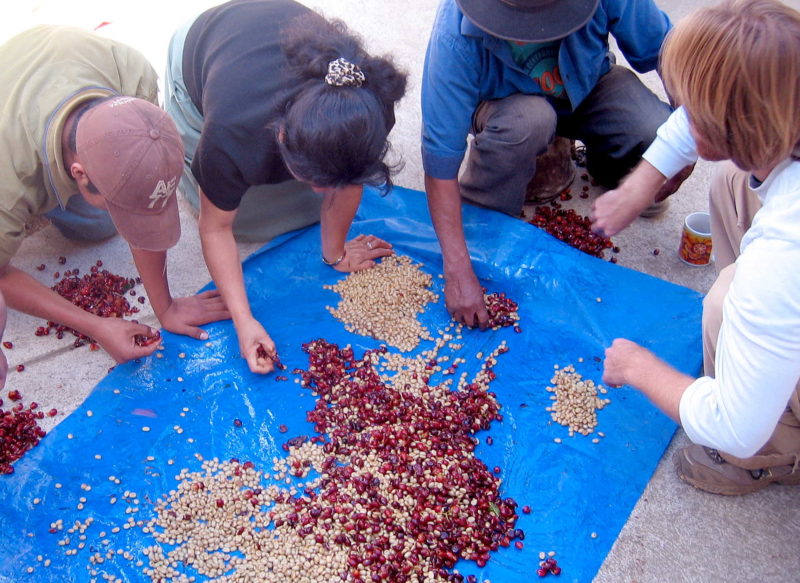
(695, 247)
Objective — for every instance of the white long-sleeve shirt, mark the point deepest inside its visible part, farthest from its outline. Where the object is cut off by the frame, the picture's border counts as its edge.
(758, 351)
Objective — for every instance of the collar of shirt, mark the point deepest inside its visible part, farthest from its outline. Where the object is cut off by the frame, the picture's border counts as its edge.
(497, 46)
(762, 188)
(56, 178)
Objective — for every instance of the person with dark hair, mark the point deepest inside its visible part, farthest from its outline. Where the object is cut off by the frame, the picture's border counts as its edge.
(85, 144)
(277, 106)
(516, 74)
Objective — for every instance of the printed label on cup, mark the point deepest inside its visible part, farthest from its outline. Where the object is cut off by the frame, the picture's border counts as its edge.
(695, 248)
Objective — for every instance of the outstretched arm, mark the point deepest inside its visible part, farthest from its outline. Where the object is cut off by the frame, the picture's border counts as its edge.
(463, 293)
(222, 259)
(627, 363)
(116, 335)
(617, 209)
(667, 162)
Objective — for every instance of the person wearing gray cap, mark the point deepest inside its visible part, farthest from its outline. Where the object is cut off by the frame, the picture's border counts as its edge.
(85, 145)
(515, 74)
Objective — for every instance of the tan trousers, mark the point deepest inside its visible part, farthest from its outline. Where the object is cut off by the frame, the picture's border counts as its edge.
(732, 207)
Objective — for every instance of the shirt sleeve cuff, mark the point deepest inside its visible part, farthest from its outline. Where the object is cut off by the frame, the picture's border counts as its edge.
(665, 158)
(674, 147)
(708, 428)
(441, 167)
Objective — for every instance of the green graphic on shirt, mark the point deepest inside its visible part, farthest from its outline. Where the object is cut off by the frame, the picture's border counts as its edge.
(540, 62)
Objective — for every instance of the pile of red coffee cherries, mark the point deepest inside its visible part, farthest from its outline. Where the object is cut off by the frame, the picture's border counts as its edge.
(405, 453)
(568, 226)
(397, 493)
(100, 292)
(19, 430)
(502, 310)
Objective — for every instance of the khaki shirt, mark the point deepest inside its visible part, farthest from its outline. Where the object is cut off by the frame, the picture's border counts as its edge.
(45, 72)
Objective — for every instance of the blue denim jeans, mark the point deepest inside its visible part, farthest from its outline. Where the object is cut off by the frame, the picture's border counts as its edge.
(80, 221)
(617, 122)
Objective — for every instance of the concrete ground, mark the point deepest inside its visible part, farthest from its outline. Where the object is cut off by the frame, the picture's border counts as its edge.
(675, 532)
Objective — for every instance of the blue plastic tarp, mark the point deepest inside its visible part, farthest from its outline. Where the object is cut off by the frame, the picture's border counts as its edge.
(574, 489)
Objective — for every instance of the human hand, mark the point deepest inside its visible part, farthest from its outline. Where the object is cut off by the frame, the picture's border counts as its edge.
(118, 338)
(252, 336)
(464, 299)
(615, 210)
(360, 253)
(624, 358)
(184, 315)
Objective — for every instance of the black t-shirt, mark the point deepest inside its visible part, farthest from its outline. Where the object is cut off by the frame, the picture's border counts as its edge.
(234, 71)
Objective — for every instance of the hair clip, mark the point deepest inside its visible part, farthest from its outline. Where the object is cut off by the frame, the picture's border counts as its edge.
(343, 73)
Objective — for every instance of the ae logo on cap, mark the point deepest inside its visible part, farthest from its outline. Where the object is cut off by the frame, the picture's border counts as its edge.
(162, 191)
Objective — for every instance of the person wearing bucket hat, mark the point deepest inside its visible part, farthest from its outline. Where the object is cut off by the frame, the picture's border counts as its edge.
(528, 21)
(516, 74)
(735, 70)
(86, 146)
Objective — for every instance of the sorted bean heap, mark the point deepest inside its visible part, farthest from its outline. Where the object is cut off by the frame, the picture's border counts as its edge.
(399, 494)
(19, 430)
(99, 292)
(575, 402)
(383, 302)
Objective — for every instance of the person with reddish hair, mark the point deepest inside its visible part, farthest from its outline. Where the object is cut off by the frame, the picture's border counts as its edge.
(734, 68)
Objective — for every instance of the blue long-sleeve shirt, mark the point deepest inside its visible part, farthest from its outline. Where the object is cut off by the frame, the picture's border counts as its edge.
(464, 65)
